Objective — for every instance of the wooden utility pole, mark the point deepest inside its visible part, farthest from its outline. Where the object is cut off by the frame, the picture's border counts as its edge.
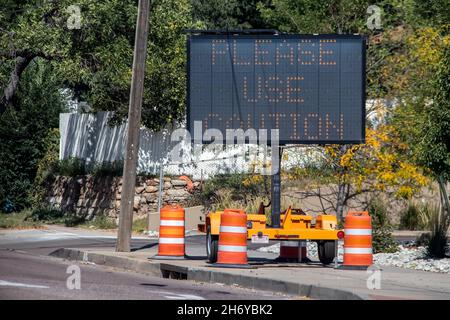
(134, 120)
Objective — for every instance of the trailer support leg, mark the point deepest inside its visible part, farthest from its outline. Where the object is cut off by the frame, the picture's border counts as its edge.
(276, 187)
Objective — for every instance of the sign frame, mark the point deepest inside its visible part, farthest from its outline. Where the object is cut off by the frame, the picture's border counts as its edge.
(233, 35)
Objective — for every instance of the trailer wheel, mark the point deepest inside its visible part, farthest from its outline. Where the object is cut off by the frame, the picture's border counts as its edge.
(326, 251)
(212, 244)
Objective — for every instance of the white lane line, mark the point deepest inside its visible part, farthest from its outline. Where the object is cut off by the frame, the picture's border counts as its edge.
(76, 235)
(18, 284)
(111, 237)
(184, 297)
(65, 236)
(177, 296)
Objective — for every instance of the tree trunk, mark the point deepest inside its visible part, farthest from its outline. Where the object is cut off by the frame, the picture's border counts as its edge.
(8, 93)
(341, 196)
(444, 195)
(340, 202)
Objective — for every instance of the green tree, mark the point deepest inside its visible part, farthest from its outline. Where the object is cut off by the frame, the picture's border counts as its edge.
(233, 14)
(22, 130)
(435, 12)
(94, 61)
(433, 148)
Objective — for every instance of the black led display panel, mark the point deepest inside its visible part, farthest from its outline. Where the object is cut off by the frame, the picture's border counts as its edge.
(310, 87)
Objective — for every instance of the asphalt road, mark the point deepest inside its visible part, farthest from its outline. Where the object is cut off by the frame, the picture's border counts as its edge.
(27, 272)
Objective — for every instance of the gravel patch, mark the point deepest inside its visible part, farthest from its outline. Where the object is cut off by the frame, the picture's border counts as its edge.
(412, 258)
(407, 256)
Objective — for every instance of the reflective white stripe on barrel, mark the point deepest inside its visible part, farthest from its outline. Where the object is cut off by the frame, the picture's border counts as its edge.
(172, 223)
(232, 248)
(233, 229)
(358, 232)
(358, 250)
(171, 240)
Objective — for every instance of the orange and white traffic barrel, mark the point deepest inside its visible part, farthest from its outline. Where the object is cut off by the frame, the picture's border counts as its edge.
(293, 251)
(358, 240)
(232, 248)
(171, 233)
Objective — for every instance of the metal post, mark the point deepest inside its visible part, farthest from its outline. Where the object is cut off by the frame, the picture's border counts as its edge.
(276, 187)
(336, 252)
(161, 181)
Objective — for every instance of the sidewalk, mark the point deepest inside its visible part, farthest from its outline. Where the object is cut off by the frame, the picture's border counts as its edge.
(311, 280)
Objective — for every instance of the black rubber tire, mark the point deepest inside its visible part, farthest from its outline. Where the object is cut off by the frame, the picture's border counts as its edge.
(212, 245)
(326, 251)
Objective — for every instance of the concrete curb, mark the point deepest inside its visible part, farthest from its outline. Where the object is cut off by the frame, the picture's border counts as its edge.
(168, 270)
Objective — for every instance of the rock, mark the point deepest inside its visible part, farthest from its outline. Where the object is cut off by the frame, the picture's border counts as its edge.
(139, 190)
(151, 189)
(413, 258)
(179, 183)
(90, 214)
(118, 196)
(151, 198)
(136, 201)
(112, 213)
(177, 193)
(151, 182)
(167, 185)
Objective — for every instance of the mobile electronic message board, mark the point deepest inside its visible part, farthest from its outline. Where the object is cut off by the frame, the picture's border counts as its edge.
(310, 87)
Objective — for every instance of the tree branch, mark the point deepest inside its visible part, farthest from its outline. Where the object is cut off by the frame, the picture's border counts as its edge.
(22, 58)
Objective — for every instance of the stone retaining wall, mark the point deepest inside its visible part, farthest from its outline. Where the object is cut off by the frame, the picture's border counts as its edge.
(88, 196)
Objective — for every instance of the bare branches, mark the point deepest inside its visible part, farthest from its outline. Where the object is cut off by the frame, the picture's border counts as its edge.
(326, 199)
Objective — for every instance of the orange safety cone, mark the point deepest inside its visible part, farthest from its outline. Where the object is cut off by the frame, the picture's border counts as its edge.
(293, 251)
(232, 248)
(357, 241)
(171, 233)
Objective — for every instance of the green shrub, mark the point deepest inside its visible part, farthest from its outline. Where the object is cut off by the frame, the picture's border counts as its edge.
(416, 216)
(140, 225)
(107, 169)
(46, 168)
(102, 221)
(423, 239)
(231, 190)
(23, 127)
(18, 220)
(239, 184)
(382, 239)
(437, 243)
(71, 167)
(48, 215)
